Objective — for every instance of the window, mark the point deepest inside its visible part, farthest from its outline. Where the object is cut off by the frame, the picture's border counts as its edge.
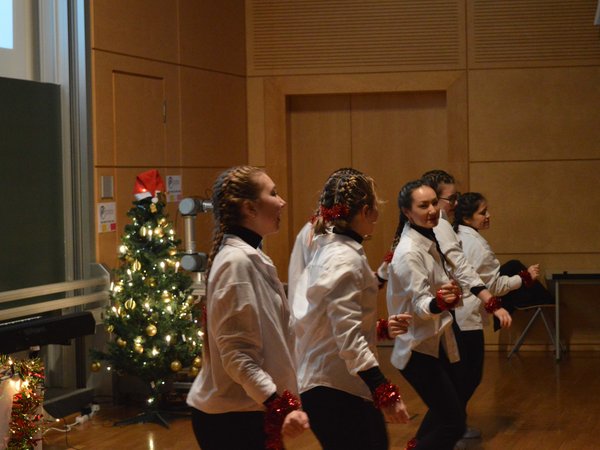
(6, 24)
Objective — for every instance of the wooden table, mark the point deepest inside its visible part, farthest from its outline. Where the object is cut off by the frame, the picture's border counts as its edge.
(556, 279)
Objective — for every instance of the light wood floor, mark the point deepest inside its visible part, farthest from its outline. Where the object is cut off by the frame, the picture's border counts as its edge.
(529, 402)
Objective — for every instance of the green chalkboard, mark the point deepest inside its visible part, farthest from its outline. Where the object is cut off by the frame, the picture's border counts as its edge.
(31, 194)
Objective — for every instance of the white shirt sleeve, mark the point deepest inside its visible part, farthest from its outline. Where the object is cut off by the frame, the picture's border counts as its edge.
(481, 256)
(462, 271)
(410, 278)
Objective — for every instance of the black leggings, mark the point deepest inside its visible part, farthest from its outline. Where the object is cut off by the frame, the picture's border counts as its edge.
(435, 382)
(469, 370)
(343, 421)
(229, 431)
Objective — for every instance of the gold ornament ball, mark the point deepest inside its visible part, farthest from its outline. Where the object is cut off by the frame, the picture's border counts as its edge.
(153, 208)
(121, 343)
(151, 330)
(158, 231)
(197, 362)
(110, 328)
(194, 371)
(136, 265)
(150, 282)
(166, 296)
(130, 304)
(176, 366)
(95, 366)
(138, 348)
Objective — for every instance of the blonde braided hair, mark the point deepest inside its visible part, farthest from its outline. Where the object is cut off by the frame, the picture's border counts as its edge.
(231, 188)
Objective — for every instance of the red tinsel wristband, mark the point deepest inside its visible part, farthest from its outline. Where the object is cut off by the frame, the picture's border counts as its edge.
(386, 394)
(439, 299)
(277, 410)
(493, 305)
(383, 332)
(388, 257)
(526, 277)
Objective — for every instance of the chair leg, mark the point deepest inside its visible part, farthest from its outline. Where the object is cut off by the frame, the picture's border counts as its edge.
(550, 331)
(524, 333)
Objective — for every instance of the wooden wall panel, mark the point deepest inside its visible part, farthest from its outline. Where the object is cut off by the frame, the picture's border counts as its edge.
(128, 122)
(526, 33)
(143, 28)
(213, 112)
(541, 207)
(343, 36)
(320, 142)
(212, 35)
(534, 114)
(395, 139)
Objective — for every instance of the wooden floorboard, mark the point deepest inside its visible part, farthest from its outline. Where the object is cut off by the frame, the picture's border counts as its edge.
(528, 402)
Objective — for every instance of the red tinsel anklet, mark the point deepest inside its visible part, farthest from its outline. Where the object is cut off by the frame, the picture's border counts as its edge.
(526, 277)
(383, 332)
(493, 304)
(386, 394)
(411, 444)
(277, 409)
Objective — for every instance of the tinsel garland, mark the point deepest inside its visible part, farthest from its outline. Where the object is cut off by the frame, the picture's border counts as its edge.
(411, 444)
(386, 394)
(277, 410)
(493, 304)
(26, 420)
(526, 277)
(383, 332)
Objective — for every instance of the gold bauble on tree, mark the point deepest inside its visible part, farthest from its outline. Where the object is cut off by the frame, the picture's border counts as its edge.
(176, 366)
(121, 343)
(166, 296)
(130, 304)
(151, 330)
(95, 366)
(136, 266)
(153, 208)
(150, 282)
(194, 371)
(110, 328)
(138, 348)
(197, 362)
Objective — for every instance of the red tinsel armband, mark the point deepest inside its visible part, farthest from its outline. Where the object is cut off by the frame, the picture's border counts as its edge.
(411, 444)
(383, 333)
(526, 277)
(443, 305)
(386, 394)
(276, 412)
(493, 305)
(388, 257)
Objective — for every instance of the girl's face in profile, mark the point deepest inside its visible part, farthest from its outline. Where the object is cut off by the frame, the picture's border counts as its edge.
(266, 212)
(480, 220)
(424, 210)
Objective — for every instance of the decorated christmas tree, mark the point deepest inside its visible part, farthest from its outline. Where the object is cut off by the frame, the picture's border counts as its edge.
(154, 331)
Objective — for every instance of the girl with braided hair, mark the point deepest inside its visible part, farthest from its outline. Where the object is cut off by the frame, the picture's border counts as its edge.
(243, 398)
(342, 388)
(420, 283)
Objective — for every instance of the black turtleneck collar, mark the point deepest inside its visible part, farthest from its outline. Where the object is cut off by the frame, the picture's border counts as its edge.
(427, 232)
(250, 237)
(350, 233)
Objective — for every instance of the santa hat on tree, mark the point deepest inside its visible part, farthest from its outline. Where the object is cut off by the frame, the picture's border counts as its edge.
(148, 184)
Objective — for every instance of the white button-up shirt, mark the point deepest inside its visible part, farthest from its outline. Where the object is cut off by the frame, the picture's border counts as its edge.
(250, 342)
(469, 314)
(482, 258)
(415, 274)
(302, 253)
(338, 330)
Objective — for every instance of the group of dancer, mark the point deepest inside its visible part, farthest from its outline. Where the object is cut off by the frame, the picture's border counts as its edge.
(275, 367)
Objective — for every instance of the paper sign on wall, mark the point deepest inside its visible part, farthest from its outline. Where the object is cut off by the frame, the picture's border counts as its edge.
(173, 188)
(107, 218)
